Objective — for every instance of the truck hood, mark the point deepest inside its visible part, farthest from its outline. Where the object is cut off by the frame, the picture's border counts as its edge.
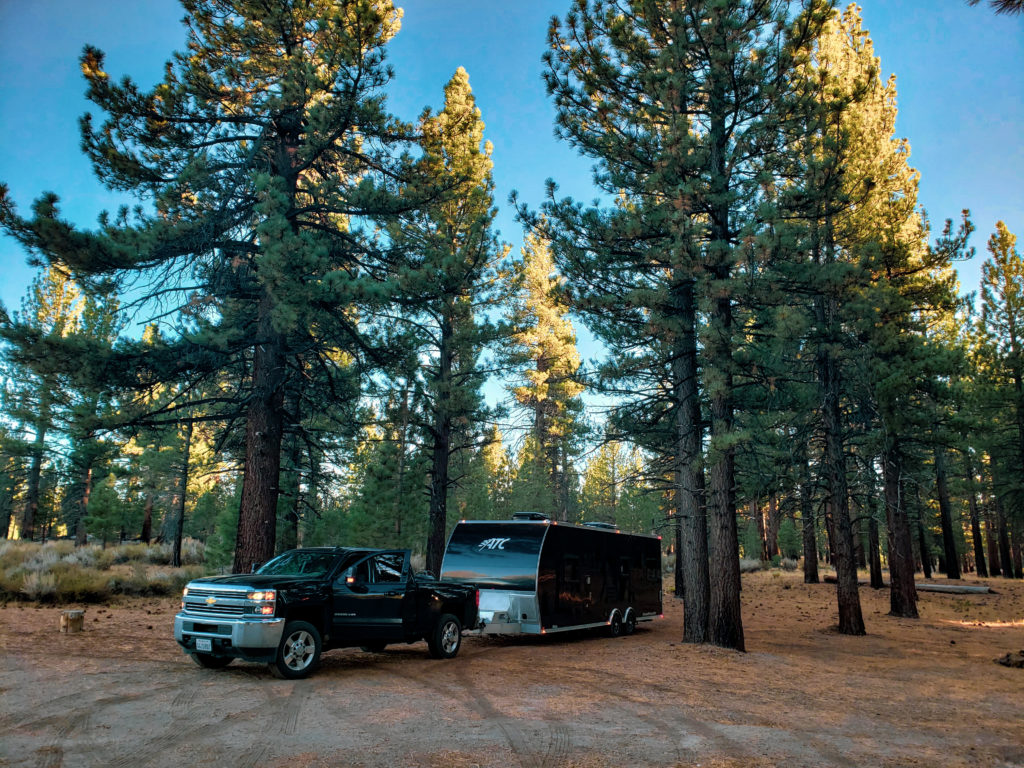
(254, 580)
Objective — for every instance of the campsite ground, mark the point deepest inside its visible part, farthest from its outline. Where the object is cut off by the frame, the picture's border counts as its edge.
(922, 692)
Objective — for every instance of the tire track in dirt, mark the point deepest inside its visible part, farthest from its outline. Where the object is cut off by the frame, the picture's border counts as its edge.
(282, 716)
(555, 735)
(708, 732)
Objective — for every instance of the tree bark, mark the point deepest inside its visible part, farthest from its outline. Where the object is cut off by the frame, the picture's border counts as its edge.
(851, 618)
(992, 538)
(948, 540)
(257, 516)
(874, 554)
(902, 593)
(1003, 533)
(692, 555)
(179, 518)
(32, 490)
(972, 502)
(810, 539)
(441, 432)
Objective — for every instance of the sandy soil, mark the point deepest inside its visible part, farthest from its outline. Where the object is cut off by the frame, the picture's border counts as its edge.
(910, 693)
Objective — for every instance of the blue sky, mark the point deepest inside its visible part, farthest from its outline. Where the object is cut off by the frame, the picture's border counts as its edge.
(960, 77)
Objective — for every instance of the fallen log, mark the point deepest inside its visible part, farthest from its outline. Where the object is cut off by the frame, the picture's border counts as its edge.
(954, 589)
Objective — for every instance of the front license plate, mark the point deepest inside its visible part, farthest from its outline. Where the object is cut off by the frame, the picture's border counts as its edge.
(204, 644)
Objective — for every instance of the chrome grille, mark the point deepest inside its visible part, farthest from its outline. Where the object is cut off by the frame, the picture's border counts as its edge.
(225, 602)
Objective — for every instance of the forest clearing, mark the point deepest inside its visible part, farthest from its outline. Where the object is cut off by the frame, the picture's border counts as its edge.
(910, 692)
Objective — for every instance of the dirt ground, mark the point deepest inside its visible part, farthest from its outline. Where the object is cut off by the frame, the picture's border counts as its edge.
(910, 693)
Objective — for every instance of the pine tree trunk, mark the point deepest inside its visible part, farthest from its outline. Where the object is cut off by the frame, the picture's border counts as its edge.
(902, 592)
(81, 534)
(874, 554)
(851, 619)
(924, 549)
(992, 537)
(948, 540)
(179, 518)
(972, 501)
(257, 515)
(774, 521)
(441, 432)
(810, 538)
(1003, 532)
(692, 554)
(146, 534)
(32, 490)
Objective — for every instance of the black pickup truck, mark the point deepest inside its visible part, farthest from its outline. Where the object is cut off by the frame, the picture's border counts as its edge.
(305, 601)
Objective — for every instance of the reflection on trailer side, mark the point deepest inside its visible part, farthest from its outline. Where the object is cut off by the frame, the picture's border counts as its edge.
(538, 576)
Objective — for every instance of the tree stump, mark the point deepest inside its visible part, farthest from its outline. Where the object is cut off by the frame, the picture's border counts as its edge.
(72, 621)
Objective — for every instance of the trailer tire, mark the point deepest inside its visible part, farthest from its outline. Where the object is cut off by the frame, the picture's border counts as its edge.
(615, 625)
(445, 639)
(629, 625)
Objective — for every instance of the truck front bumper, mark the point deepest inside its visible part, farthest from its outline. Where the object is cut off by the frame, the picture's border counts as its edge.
(254, 639)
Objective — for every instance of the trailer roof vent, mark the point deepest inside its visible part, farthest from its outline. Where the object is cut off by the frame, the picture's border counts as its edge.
(602, 526)
(529, 516)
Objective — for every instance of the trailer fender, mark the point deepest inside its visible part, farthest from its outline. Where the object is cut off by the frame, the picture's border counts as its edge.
(629, 622)
(615, 623)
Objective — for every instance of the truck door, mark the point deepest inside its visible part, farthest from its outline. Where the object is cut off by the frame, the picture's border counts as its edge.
(369, 598)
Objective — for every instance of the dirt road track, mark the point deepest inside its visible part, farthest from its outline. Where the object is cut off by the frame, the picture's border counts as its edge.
(121, 695)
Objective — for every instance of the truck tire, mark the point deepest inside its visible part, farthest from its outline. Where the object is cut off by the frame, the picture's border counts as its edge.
(445, 639)
(206, 661)
(375, 647)
(299, 651)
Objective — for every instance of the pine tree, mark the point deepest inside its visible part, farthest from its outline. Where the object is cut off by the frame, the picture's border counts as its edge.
(38, 382)
(262, 150)
(676, 102)
(544, 347)
(447, 275)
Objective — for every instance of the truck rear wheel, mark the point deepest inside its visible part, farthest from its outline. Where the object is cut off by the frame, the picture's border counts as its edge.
(299, 652)
(446, 638)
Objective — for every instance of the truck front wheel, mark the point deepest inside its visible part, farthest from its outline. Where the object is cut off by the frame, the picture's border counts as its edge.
(299, 651)
(446, 638)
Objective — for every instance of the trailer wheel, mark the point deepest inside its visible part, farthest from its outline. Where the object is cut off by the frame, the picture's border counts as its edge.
(615, 626)
(445, 639)
(629, 625)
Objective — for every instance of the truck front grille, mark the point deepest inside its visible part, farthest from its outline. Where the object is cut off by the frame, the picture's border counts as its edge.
(214, 602)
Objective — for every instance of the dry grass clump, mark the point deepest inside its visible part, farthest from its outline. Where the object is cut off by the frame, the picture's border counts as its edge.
(58, 571)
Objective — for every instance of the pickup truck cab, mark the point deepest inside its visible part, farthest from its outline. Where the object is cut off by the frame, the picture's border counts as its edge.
(306, 601)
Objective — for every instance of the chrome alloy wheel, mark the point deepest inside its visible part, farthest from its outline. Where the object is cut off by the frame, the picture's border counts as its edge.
(298, 649)
(450, 637)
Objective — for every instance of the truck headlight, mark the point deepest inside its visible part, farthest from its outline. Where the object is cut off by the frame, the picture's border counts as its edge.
(265, 601)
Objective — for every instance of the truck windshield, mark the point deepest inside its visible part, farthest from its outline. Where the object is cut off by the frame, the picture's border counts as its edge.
(298, 563)
(495, 555)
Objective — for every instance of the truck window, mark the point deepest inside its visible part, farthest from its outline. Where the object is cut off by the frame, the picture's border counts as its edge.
(386, 568)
